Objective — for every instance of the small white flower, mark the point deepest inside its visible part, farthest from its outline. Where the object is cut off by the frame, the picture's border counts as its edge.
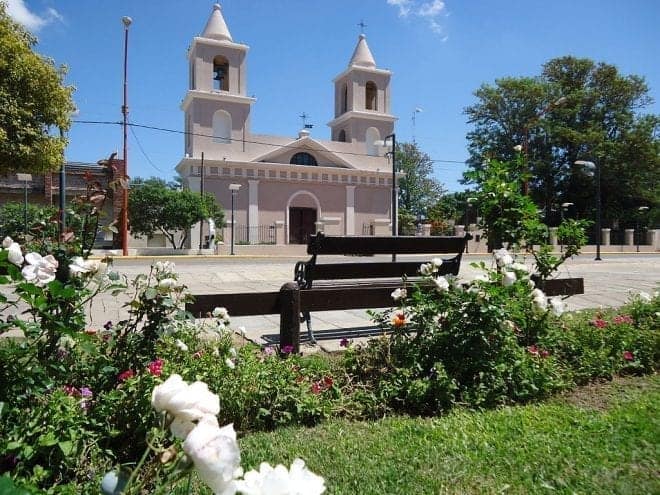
(221, 313)
(519, 267)
(557, 305)
(509, 278)
(441, 284)
(167, 284)
(40, 269)
(502, 257)
(645, 296)
(540, 303)
(517, 148)
(164, 267)
(538, 294)
(230, 364)
(437, 262)
(81, 266)
(427, 269)
(181, 345)
(399, 294)
(232, 352)
(216, 455)
(14, 253)
(7, 241)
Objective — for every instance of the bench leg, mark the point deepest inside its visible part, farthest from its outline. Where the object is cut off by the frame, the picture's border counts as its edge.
(290, 316)
(307, 318)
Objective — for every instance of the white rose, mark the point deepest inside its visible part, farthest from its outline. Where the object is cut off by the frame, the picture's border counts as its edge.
(7, 241)
(517, 148)
(519, 267)
(557, 305)
(194, 403)
(215, 454)
(427, 269)
(441, 284)
(167, 284)
(538, 294)
(163, 393)
(221, 313)
(278, 480)
(181, 345)
(645, 296)
(436, 262)
(14, 253)
(399, 294)
(230, 364)
(81, 266)
(40, 269)
(508, 279)
(540, 303)
(181, 428)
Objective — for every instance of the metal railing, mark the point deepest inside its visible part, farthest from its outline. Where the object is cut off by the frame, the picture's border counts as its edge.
(258, 234)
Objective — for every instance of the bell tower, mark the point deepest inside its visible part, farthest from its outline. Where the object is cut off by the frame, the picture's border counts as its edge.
(216, 106)
(362, 100)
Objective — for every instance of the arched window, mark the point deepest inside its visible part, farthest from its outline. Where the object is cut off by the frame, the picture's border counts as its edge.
(303, 158)
(220, 73)
(344, 99)
(371, 93)
(372, 136)
(342, 136)
(221, 127)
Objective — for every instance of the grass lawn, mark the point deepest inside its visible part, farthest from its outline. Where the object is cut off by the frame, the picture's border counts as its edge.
(603, 438)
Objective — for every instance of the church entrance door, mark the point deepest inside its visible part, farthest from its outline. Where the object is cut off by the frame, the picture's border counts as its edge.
(301, 224)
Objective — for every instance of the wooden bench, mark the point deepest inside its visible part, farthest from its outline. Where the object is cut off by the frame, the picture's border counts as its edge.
(347, 280)
(336, 286)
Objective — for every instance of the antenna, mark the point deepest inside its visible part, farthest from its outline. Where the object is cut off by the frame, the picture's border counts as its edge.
(414, 117)
(362, 26)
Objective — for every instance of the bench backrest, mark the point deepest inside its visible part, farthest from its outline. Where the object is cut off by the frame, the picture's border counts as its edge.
(307, 272)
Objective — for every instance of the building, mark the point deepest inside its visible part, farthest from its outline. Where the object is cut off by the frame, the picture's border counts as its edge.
(44, 190)
(289, 187)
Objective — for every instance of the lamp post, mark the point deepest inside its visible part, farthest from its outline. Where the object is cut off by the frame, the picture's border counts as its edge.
(593, 169)
(468, 203)
(395, 230)
(641, 211)
(563, 207)
(551, 106)
(201, 194)
(124, 110)
(234, 189)
(25, 178)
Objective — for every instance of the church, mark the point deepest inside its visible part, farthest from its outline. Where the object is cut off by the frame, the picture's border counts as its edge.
(285, 188)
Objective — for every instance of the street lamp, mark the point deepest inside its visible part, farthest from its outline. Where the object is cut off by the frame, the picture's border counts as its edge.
(25, 178)
(558, 102)
(234, 189)
(593, 169)
(124, 110)
(641, 211)
(468, 203)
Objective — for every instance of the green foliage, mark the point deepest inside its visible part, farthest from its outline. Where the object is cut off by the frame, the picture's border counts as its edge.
(42, 220)
(418, 190)
(575, 109)
(157, 207)
(601, 439)
(33, 98)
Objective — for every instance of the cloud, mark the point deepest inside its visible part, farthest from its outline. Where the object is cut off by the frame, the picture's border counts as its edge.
(403, 5)
(17, 10)
(430, 11)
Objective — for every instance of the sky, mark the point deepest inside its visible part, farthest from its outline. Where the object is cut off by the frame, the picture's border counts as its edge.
(439, 52)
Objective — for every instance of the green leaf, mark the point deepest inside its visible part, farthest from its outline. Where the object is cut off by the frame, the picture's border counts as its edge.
(66, 447)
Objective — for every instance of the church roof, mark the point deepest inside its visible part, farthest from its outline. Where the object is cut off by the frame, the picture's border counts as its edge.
(362, 56)
(216, 28)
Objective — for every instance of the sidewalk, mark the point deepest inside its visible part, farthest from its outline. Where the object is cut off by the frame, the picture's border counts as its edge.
(607, 283)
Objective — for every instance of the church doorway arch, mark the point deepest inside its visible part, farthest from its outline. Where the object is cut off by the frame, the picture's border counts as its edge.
(303, 209)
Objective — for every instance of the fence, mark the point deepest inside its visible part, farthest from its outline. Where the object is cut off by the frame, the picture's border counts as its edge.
(258, 234)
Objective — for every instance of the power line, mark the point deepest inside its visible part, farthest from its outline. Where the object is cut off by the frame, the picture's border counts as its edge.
(144, 153)
(174, 131)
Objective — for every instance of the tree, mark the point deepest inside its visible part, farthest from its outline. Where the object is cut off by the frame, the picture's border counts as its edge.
(575, 109)
(155, 206)
(418, 190)
(33, 98)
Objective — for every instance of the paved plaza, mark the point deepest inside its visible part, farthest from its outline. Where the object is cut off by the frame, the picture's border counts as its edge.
(608, 282)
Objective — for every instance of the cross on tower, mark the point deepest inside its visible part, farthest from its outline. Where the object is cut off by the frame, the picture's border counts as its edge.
(362, 26)
(304, 118)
